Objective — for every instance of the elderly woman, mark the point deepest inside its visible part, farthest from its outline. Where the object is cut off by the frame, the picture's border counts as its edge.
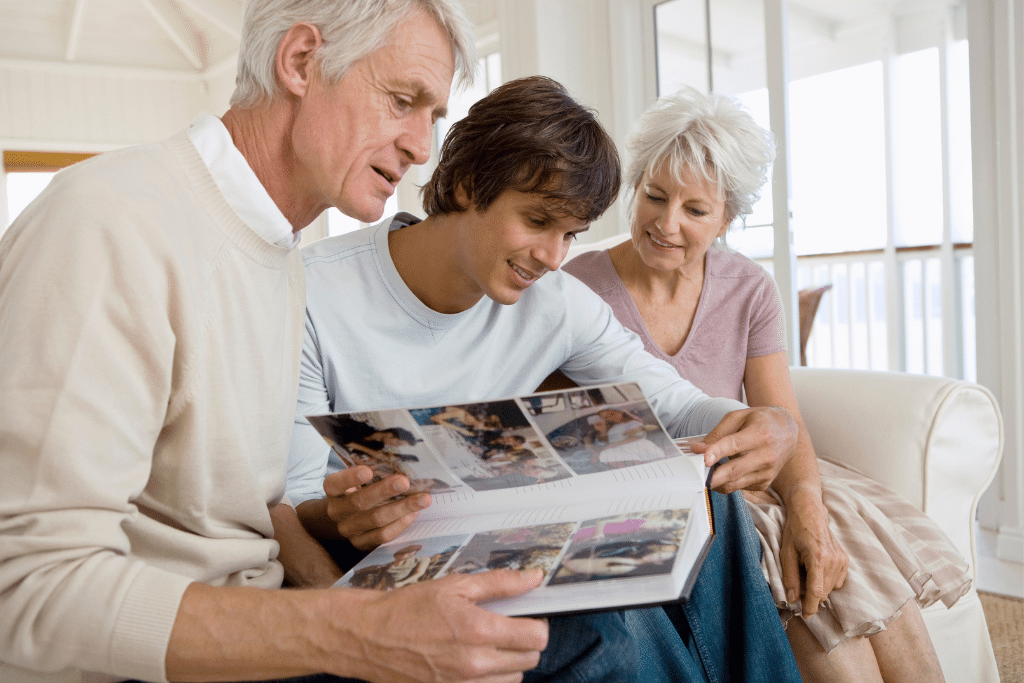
(851, 560)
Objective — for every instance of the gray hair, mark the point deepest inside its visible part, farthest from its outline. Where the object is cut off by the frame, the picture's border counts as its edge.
(351, 30)
(711, 136)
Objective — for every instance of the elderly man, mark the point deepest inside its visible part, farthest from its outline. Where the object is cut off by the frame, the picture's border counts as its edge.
(151, 310)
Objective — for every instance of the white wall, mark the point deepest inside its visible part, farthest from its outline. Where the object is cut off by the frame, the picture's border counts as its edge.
(92, 109)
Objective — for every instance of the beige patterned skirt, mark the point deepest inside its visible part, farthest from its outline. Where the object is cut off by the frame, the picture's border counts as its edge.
(897, 553)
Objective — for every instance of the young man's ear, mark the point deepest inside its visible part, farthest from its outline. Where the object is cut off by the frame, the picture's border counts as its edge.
(296, 58)
(463, 198)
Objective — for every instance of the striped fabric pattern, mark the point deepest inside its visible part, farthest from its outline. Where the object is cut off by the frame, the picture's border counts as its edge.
(897, 553)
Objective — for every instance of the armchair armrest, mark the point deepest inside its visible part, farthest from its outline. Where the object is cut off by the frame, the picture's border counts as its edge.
(936, 441)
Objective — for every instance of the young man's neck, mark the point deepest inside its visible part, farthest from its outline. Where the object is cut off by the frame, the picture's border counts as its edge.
(425, 256)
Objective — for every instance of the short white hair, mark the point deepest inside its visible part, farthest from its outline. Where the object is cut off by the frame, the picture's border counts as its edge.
(351, 30)
(711, 136)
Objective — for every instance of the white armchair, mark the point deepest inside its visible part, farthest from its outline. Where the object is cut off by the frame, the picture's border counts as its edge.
(936, 441)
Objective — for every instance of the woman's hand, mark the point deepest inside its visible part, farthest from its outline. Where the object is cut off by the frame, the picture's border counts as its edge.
(807, 540)
(758, 442)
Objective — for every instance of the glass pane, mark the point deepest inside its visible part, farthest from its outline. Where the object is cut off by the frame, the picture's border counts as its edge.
(819, 345)
(493, 70)
(338, 223)
(840, 297)
(460, 100)
(682, 46)
(961, 196)
(933, 308)
(877, 322)
(737, 69)
(913, 316)
(970, 357)
(737, 46)
(756, 102)
(488, 77)
(917, 149)
(837, 148)
(859, 347)
(22, 188)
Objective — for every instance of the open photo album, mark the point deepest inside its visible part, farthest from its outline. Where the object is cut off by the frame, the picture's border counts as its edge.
(584, 484)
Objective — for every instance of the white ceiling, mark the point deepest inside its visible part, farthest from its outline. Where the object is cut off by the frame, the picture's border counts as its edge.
(181, 36)
(737, 26)
(199, 36)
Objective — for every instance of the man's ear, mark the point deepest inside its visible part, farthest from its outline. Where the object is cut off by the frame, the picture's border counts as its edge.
(462, 197)
(296, 55)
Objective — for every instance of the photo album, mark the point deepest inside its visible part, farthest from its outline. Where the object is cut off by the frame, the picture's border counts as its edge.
(584, 484)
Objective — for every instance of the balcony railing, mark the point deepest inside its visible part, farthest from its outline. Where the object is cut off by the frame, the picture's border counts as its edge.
(910, 309)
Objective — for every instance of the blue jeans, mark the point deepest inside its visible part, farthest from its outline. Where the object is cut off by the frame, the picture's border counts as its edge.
(729, 627)
(728, 630)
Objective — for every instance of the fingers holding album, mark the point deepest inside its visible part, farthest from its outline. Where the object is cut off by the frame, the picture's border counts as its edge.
(446, 635)
(369, 515)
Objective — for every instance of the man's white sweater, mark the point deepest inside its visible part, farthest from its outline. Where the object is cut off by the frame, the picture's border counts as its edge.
(149, 345)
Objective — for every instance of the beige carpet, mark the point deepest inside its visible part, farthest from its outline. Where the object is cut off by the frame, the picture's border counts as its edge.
(1005, 617)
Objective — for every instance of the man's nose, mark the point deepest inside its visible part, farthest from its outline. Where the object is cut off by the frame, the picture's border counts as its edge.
(417, 139)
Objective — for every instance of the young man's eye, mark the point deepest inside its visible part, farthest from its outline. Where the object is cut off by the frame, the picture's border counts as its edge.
(570, 236)
(537, 221)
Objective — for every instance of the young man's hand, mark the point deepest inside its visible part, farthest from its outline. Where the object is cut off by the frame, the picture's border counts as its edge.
(359, 511)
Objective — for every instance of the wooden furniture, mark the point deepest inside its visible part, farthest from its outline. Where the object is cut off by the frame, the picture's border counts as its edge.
(809, 299)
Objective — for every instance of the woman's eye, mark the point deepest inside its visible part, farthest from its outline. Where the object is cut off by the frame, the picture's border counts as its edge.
(654, 198)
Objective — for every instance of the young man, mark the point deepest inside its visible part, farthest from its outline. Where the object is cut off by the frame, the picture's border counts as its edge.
(468, 305)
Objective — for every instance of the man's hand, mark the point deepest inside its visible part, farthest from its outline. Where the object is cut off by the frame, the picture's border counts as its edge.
(424, 633)
(434, 631)
(359, 512)
(808, 541)
(758, 443)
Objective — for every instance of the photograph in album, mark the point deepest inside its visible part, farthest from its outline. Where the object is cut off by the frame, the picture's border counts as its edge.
(583, 484)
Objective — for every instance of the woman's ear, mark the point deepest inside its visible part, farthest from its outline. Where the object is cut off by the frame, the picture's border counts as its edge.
(296, 57)
(725, 227)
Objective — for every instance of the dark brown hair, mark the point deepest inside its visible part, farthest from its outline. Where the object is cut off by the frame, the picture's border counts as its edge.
(528, 135)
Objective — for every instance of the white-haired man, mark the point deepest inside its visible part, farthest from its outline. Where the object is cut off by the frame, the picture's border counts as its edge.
(151, 310)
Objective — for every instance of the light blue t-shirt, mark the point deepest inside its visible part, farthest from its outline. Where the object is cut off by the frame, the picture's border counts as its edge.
(371, 344)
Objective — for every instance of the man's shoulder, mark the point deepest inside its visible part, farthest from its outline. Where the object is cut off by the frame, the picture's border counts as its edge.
(113, 175)
(115, 202)
(559, 289)
(338, 247)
